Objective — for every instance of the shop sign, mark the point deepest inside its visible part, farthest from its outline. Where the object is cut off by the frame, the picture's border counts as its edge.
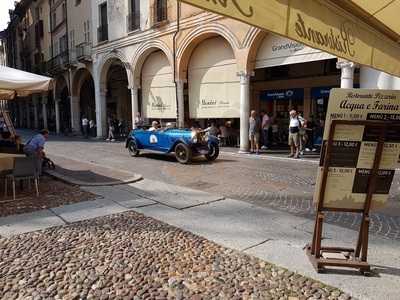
(285, 94)
(279, 51)
(320, 92)
(354, 147)
(159, 102)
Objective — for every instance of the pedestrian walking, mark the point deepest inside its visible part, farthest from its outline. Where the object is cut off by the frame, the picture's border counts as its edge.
(111, 130)
(265, 129)
(254, 132)
(35, 148)
(85, 126)
(294, 136)
(92, 128)
(138, 121)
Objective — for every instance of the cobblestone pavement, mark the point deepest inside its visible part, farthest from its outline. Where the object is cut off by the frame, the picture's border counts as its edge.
(283, 184)
(52, 193)
(130, 256)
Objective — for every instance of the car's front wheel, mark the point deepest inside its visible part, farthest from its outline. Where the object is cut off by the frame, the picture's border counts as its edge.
(213, 152)
(132, 148)
(183, 153)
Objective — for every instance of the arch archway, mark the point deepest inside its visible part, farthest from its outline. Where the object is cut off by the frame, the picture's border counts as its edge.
(115, 81)
(198, 35)
(83, 90)
(153, 74)
(143, 52)
(63, 97)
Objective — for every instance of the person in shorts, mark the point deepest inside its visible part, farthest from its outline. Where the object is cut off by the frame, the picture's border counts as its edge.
(254, 132)
(294, 134)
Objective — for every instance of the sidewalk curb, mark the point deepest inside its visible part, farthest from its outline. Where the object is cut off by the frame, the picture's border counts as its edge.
(71, 180)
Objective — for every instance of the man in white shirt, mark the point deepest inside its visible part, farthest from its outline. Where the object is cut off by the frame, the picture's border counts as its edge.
(85, 124)
(294, 135)
(265, 124)
(154, 126)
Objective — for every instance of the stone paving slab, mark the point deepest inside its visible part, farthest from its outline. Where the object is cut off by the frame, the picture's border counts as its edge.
(122, 196)
(171, 195)
(22, 223)
(86, 173)
(88, 210)
(280, 238)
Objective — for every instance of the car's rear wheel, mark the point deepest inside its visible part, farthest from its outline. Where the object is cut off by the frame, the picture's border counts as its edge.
(183, 153)
(132, 148)
(213, 152)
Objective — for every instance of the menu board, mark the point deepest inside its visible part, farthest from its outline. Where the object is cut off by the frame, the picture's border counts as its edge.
(354, 146)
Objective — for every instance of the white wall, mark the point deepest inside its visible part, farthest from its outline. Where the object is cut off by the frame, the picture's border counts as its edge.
(374, 79)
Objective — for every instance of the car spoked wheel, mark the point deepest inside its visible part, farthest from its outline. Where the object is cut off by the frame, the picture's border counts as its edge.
(213, 152)
(183, 153)
(132, 148)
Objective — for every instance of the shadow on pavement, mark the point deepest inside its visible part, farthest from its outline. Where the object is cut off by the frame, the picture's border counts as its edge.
(86, 176)
(198, 160)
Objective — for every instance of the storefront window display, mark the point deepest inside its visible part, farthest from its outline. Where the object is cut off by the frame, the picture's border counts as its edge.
(283, 100)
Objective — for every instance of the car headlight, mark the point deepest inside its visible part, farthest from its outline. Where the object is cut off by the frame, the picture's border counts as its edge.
(194, 137)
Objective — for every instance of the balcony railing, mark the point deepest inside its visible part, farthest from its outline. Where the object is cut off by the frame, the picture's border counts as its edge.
(83, 52)
(133, 21)
(102, 33)
(58, 63)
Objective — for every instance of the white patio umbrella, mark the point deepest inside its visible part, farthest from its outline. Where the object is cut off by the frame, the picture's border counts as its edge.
(15, 82)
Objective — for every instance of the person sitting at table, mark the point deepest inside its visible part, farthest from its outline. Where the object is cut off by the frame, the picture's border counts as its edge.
(35, 148)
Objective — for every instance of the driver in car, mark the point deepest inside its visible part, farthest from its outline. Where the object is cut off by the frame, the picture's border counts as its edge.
(154, 126)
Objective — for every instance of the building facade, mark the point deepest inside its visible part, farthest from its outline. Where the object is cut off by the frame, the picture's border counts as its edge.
(168, 61)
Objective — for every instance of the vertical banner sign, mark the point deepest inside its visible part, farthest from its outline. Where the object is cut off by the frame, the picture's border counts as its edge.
(354, 146)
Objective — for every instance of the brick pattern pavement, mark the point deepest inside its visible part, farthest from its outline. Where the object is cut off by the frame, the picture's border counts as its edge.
(285, 185)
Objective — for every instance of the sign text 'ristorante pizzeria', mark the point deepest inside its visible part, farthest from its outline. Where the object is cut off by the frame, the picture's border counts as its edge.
(354, 147)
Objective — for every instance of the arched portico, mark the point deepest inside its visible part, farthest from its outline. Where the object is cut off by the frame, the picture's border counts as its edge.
(225, 95)
(83, 98)
(107, 101)
(153, 75)
(61, 114)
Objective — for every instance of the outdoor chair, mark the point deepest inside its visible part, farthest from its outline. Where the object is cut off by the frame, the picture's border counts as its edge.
(24, 169)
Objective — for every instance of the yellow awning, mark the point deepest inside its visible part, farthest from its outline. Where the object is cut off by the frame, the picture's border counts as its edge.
(363, 31)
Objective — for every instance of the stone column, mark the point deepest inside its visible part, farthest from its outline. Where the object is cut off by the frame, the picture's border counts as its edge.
(57, 109)
(28, 114)
(134, 104)
(244, 111)
(347, 75)
(75, 114)
(101, 108)
(374, 79)
(44, 111)
(35, 112)
(180, 84)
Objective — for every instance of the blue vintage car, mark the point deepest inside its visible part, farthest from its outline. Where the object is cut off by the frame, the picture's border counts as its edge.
(185, 143)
